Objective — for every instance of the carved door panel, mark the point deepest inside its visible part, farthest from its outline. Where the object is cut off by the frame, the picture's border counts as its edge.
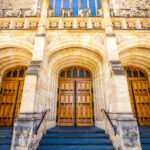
(66, 104)
(84, 105)
(142, 101)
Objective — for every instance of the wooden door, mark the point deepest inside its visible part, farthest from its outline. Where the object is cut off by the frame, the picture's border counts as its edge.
(84, 103)
(11, 94)
(139, 95)
(75, 100)
(66, 103)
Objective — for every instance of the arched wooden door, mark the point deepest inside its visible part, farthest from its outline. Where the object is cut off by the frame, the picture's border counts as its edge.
(10, 96)
(139, 94)
(75, 99)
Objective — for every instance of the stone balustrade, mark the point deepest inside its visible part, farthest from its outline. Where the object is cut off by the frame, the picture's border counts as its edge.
(131, 23)
(118, 23)
(19, 23)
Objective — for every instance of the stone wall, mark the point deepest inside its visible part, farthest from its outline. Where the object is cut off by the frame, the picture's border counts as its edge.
(19, 4)
(131, 8)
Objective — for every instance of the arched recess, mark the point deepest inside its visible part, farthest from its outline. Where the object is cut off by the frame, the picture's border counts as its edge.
(13, 54)
(11, 94)
(76, 56)
(137, 60)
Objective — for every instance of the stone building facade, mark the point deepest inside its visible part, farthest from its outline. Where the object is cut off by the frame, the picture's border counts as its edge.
(116, 38)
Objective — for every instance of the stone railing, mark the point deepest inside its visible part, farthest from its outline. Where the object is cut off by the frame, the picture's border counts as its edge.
(131, 23)
(4, 13)
(130, 13)
(31, 23)
(19, 23)
(75, 23)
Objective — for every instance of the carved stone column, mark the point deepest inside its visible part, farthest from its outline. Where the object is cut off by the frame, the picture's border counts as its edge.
(43, 17)
(106, 13)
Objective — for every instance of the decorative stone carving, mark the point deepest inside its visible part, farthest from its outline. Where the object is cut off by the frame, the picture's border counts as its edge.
(33, 25)
(4, 25)
(68, 24)
(51, 12)
(131, 25)
(66, 12)
(53, 25)
(97, 25)
(117, 25)
(145, 25)
(82, 24)
(84, 12)
(8, 13)
(99, 12)
(19, 25)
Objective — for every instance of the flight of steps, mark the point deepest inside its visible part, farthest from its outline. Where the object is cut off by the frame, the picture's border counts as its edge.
(80, 138)
(5, 138)
(145, 137)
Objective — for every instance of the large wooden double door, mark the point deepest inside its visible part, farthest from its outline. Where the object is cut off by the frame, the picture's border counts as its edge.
(75, 102)
(139, 94)
(10, 96)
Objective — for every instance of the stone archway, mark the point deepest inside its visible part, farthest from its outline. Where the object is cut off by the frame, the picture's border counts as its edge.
(137, 56)
(76, 56)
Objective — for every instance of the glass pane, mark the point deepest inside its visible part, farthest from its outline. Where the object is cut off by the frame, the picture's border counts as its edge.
(75, 73)
(135, 73)
(8, 74)
(88, 74)
(68, 74)
(75, 7)
(57, 7)
(21, 73)
(15, 73)
(142, 74)
(92, 8)
(129, 73)
(81, 74)
(83, 4)
(66, 4)
(62, 75)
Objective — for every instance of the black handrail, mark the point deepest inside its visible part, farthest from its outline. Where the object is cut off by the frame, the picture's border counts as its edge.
(114, 128)
(43, 117)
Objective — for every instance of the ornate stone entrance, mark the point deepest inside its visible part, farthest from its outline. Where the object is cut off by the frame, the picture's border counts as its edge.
(75, 98)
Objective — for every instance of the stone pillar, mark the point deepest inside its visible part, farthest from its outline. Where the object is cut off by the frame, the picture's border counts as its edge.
(88, 4)
(70, 4)
(62, 4)
(26, 135)
(118, 100)
(107, 18)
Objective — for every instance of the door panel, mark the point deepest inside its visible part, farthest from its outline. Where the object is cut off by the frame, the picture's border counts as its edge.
(142, 100)
(66, 105)
(84, 108)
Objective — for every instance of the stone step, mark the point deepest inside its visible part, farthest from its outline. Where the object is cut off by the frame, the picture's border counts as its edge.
(76, 135)
(81, 147)
(76, 142)
(75, 130)
(5, 147)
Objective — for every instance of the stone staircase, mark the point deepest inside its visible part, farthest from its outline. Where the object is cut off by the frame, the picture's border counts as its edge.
(5, 138)
(80, 138)
(145, 137)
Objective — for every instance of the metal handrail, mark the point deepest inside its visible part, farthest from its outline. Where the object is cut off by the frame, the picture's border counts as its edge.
(107, 116)
(43, 117)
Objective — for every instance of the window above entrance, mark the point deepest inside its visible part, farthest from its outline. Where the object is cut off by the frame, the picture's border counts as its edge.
(75, 72)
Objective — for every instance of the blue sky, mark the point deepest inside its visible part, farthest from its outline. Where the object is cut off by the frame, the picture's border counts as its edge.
(75, 6)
